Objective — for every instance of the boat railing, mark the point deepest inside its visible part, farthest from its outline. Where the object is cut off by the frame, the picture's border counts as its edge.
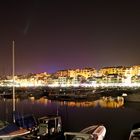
(89, 129)
(83, 136)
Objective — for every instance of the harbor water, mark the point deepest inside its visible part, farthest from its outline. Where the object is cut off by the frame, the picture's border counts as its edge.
(116, 115)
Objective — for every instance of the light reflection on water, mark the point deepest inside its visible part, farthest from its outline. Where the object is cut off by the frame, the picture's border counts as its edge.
(117, 116)
(105, 102)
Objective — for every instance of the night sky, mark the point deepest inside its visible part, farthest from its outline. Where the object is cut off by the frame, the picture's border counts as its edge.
(54, 35)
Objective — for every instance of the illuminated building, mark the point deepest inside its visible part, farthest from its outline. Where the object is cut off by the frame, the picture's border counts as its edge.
(61, 73)
(120, 70)
(86, 72)
(136, 70)
(107, 76)
(112, 78)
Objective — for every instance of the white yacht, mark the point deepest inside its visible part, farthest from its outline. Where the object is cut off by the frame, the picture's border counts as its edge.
(94, 132)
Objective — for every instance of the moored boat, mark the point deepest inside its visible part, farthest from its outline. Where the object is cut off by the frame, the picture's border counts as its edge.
(47, 127)
(94, 132)
(135, 132)
(133, 97)
(21, 125)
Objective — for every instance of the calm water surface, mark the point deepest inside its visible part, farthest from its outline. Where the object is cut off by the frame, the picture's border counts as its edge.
(117, 116)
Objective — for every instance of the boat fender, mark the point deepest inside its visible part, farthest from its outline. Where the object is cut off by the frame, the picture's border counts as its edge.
(59, 128)
(52, 131)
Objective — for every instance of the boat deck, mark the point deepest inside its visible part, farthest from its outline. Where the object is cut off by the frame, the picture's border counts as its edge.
(13, 130)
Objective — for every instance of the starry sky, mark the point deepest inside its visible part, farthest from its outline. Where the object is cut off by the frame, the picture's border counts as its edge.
(54, 35)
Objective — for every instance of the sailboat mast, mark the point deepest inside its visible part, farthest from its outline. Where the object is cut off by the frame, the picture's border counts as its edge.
(13, 62)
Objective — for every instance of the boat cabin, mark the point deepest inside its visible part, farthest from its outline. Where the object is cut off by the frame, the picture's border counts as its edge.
(49, 125)
(28, 122)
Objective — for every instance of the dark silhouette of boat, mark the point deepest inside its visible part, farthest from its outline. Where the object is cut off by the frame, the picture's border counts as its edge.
(132, 97)
(135, 132)
(47, 127)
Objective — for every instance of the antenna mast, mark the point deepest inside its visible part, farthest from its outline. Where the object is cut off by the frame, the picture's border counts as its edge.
(13, 62)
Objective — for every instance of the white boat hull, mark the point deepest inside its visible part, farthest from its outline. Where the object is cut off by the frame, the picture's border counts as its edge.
(92, 132)
(14, 134)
